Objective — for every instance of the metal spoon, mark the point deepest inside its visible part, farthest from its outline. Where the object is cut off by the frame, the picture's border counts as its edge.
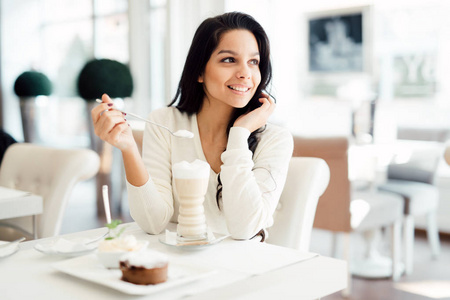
(97, 239)
(12, 242)
(179, 133)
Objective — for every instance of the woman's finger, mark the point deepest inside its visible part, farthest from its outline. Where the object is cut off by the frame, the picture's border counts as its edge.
(97, 111)
(101, 109)
(106, 99)
(106, 124)
(116, 138)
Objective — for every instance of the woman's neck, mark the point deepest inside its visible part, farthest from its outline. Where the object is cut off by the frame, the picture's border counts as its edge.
(213, 120)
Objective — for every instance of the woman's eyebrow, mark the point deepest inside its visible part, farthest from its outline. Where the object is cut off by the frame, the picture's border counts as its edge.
(235, 53)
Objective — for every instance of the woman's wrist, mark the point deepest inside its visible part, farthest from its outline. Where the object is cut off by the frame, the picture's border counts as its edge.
(237, 138)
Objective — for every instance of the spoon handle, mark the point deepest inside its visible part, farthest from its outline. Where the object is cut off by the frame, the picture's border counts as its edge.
(12, 242)
(138, 117)
(148, 121)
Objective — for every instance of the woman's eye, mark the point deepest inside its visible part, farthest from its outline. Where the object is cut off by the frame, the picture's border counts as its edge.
(228, 60)
(254, 62)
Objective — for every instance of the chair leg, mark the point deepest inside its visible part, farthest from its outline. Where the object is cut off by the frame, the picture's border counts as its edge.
(408, 243)
(396, 250)
(346, 255)
(433, 234)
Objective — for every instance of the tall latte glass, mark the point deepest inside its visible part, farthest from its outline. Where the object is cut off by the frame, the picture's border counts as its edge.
(191, 184)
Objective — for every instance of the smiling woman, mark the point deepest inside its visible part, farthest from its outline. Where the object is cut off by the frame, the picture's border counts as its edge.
(222, 99)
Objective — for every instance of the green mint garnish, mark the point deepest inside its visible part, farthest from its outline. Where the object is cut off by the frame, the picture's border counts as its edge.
(113, 233)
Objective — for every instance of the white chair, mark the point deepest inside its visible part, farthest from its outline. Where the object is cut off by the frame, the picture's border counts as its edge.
(414, 182)
(339, 210)
(49, 172)
(306, 181)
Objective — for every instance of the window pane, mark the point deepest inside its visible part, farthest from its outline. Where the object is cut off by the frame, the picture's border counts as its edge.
(67, 47)
(107, 7)
(112, 38)
(67, 10)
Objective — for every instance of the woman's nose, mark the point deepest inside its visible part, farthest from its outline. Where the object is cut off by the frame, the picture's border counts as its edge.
(244, 72)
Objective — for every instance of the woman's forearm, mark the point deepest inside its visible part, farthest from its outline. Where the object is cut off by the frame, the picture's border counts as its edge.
(135, 170)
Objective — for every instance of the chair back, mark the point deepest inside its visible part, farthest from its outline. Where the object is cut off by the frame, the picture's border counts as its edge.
(421, 165)
(49, 172)
(333, 209)
(307, 179)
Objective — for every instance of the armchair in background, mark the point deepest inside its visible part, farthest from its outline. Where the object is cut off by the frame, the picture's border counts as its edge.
(338, 208)
(49, 172)
(414, 181)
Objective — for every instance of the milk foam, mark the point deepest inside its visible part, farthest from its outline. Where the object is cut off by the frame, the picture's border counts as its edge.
(196, 169)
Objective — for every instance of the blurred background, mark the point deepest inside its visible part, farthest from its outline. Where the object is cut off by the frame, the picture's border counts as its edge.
(375, 70)
(401, 54)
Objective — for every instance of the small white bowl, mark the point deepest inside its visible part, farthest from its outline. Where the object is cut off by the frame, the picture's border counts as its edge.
(111, 259)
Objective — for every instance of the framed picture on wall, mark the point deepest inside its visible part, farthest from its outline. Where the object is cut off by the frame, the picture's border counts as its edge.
(339, 46)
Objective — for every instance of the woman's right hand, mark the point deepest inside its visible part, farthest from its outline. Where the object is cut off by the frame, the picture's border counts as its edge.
(110, 125)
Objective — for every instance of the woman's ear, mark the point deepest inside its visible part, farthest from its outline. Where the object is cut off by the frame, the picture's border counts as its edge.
(200, 79)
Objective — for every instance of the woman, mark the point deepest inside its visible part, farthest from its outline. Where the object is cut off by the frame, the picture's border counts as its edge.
(220, 99)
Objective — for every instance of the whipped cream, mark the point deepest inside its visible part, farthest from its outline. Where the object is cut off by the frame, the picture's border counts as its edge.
(147, 259)
(123, 243)
(196, 169)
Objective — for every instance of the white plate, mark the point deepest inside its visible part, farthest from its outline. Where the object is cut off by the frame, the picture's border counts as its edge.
(90, 269)
(46, 248)
(192, 245)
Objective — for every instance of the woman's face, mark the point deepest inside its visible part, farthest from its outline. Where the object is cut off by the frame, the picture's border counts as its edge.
(232, 73)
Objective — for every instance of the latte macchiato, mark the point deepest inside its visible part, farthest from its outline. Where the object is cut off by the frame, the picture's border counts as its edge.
(191, 184)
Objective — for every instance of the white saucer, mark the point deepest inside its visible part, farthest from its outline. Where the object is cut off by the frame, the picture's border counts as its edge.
(194, 245)
(49, 249)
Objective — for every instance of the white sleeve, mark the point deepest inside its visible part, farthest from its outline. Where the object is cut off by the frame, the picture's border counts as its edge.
(151, 205)
(252, 186)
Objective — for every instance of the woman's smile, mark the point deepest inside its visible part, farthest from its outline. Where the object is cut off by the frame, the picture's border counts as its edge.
(238, 88)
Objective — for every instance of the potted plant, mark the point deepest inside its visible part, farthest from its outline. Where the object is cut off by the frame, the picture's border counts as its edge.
(100, 76)
(97, 77)
(28, 86)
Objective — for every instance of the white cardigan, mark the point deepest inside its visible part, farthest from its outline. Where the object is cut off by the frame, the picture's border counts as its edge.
(251, 185)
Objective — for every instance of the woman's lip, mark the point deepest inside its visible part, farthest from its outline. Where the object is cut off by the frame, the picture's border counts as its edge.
(239, 88)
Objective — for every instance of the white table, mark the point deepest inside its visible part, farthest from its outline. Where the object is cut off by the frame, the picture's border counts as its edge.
(29, 274)
(16, 203)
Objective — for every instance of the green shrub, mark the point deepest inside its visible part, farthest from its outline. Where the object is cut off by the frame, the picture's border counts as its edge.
(32, 84)
(100, 76)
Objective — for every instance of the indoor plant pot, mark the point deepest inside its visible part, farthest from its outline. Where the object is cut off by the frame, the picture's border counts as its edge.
(28, 86)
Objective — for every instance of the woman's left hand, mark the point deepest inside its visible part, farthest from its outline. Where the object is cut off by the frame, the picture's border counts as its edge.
(258, 117)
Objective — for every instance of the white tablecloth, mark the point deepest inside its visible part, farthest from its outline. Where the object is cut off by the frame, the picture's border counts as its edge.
(29, 274)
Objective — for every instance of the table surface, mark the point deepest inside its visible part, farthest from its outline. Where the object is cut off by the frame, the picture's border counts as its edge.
(244, 270)
(16, 203)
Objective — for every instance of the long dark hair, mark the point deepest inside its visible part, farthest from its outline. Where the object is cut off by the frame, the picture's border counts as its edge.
(190, 92)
